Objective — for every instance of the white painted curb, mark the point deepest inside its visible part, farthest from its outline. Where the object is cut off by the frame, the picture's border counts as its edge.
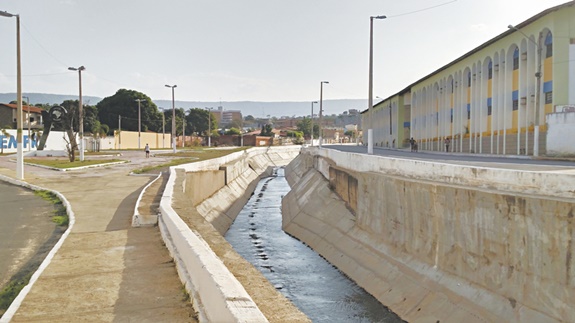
(72, 220)
(136, 217)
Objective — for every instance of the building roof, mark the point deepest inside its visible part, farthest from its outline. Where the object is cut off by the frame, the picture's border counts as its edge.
(480, 47)
(26, 108)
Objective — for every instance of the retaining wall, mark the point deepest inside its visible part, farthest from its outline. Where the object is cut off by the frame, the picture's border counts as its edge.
(216, 293)
(438, 242)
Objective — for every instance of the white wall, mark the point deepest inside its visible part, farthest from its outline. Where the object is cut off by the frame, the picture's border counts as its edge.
(55, 141)
(561, 131)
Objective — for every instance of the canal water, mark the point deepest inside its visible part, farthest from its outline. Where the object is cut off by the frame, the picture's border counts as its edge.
(315, 286)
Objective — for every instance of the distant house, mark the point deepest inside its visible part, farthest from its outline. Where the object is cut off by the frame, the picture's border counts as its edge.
(32, 116)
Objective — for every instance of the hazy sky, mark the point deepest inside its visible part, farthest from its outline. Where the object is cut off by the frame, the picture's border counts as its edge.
(231, 50)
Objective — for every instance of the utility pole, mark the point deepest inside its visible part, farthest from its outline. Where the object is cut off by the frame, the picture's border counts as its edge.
(139, 122)
(120, 132)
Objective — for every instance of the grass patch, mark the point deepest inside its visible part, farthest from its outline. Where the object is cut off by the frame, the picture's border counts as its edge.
(185, 294)
(189, 156)
(9, 293)
(60, 216)
(64, 163)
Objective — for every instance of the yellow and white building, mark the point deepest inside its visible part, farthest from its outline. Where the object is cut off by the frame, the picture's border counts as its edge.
(513, 95)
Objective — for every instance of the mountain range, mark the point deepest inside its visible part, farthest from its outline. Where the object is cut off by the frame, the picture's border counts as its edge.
(254, 108)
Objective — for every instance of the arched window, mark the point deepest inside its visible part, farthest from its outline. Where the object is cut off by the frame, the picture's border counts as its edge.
(548, 45)
(469, 79)
(516, 59)
(490, 70)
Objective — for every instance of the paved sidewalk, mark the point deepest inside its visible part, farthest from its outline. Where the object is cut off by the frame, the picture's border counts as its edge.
(106, 270)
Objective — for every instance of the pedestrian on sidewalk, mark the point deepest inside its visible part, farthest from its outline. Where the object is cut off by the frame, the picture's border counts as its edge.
(447, 141)
(147, 149)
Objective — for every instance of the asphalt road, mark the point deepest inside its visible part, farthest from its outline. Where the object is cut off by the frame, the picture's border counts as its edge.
(26, 224)
(510, 162)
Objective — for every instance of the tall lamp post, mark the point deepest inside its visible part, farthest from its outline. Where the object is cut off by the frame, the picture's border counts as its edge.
(209, 126)
(321, 110)
(173, 118)
(537, 91)
(139, 121)
(80, 110)
(370, 86)
(19, 151)
(312, 103)
(28, 121)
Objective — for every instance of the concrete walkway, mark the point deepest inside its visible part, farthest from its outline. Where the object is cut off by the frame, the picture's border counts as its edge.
(105, 271)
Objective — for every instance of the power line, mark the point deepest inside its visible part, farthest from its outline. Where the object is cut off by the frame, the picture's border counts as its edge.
(420, 10)
(44, 48)
(33, 75)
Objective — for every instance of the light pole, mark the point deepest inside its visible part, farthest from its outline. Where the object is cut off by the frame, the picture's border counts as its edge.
(210, 127)
(28, 121)
(173, 118)
(139, 121)
(184, 131)
(80, 110)
(321, 110)
(370, 86)
(312, 121)
(537, 91)
(19, 151)
(163, 128)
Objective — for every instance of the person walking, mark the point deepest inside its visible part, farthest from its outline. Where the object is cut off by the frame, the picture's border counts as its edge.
(447, 141)
(147, 149)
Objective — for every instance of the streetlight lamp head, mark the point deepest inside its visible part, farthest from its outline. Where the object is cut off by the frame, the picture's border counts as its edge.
(6, 14)
(325, 82)
(72, 69)
(81, 68)
(380, 17)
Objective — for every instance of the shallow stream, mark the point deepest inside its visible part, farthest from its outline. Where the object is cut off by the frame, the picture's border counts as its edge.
(316, 287)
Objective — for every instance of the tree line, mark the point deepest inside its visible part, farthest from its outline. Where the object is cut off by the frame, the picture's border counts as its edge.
(121, 110)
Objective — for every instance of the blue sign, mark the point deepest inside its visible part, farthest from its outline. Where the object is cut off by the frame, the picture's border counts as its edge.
(8, 142)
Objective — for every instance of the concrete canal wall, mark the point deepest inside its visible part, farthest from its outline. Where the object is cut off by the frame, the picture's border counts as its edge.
(438, 242)
(218, 188)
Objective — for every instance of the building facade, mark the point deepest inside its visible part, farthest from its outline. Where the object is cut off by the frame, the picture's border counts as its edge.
(500, 98)
(32, 116)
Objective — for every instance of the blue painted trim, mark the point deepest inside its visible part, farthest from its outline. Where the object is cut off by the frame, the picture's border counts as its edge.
(548, 39)
(548, 87)
(515, 95)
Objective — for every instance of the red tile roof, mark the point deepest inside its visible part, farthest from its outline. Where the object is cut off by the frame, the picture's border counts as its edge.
(24, 107)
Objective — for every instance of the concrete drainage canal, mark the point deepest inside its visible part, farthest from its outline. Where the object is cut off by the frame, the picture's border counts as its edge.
(316, 287)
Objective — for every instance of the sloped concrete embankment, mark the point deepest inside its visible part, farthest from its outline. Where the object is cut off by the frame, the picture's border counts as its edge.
(438, 242)
(218, 192)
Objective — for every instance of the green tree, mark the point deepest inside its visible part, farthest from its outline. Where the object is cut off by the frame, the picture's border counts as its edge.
(304, 126)
(180, 117)
(233, 131)
(198, 121)
(124, 104)
(235, 123)
(267, 131)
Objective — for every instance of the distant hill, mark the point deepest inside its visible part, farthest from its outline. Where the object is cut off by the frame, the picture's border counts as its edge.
(254, 108)
(45, 98)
